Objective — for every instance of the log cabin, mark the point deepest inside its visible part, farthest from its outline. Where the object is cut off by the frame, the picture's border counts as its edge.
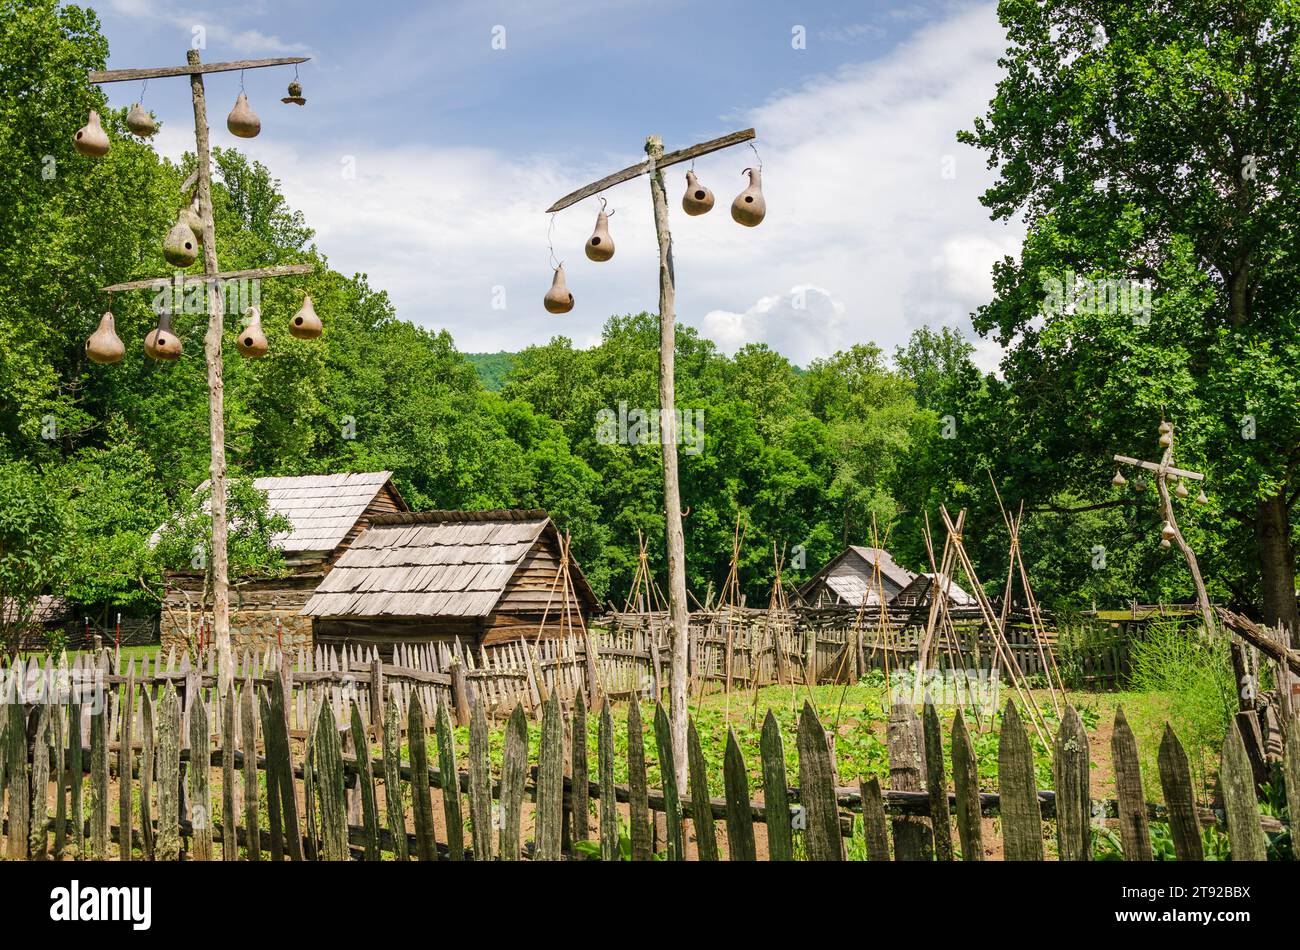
(480, 576)
(328, 514)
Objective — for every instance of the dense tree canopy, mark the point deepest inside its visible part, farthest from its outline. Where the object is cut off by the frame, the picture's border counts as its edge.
(1154, 145)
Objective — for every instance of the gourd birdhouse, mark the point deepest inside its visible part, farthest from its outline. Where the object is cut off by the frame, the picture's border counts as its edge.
(180, 247)
(162, 343)
(243, 121)
(1200, 498)
(558, 299)
(1166, 439)
(750, 208)
(91, 139)
(141, 122)
(600, 246)
(305, 324)
(697, 199)
(251, 341)
(1119, 481)
(295, 94)
(1181, 491)
(1168, 532)
(104, 345)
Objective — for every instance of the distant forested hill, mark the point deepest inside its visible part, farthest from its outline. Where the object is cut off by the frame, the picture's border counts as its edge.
(492, 368)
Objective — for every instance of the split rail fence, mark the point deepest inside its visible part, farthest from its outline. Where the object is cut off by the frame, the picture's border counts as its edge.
(308, 764)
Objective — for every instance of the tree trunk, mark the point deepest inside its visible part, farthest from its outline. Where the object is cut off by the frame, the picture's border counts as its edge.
(1277, 564)
(678, 615)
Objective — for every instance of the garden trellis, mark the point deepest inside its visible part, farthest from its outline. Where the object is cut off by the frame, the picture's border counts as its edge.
(162, 342)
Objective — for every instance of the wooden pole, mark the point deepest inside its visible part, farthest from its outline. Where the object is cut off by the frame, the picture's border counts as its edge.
(216, 385)
(1162, 470)
(678, 616)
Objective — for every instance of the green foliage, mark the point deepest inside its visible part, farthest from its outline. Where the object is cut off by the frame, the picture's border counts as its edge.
(32, 555)
(185, 540)
(1151, 143)
(1195, 673)
(492, 368)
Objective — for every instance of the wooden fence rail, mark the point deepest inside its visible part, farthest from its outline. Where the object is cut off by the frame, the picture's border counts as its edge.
(201, 776)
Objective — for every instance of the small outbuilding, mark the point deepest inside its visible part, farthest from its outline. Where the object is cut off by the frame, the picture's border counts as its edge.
(851, 579)
(481, 576)
(328, 514)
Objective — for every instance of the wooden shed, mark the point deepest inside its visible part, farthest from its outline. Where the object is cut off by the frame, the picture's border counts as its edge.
(328, 513)
(481, 576)
(850, 579)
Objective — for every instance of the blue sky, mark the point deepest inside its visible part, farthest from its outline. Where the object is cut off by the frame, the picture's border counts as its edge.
(456, 147)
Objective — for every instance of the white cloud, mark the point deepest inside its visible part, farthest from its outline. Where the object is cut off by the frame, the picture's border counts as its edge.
(213, 21)
(797, 323)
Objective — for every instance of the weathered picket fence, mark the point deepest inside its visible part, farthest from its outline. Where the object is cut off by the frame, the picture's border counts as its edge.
(322, 793)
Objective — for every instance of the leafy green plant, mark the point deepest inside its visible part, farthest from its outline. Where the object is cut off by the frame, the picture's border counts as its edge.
(1195, 673)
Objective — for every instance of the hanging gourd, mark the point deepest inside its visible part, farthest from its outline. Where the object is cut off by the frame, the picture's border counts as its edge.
(162, 343)
(600, 246)
(104, 345)
(180, 247)
(697, 199)
(251, 341)
(140, 122)
(558, 299)
(194, 218)
(1200, 498)
(1119, 481)
(243, 121)
(295, 94)
(91, 139)
(1166, 439)
(305, 324)
(1164, 542)
(1166, 426)
(1181, 491)
(1168, 532)
(1139, 486)
(749, 208)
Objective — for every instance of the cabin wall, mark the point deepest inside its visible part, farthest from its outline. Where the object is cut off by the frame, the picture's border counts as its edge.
(255, 608)
(382, 634)
(505, 625)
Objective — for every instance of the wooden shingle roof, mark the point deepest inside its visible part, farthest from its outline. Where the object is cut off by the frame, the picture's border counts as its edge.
(322, 508)
(434, 564)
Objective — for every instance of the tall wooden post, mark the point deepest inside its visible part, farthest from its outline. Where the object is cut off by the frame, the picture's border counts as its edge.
(678, 616)
(216, 385)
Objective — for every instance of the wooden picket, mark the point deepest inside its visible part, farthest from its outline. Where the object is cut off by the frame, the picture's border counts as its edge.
(338, 785)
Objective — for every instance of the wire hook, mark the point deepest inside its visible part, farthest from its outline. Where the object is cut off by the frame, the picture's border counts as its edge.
(550, 243)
